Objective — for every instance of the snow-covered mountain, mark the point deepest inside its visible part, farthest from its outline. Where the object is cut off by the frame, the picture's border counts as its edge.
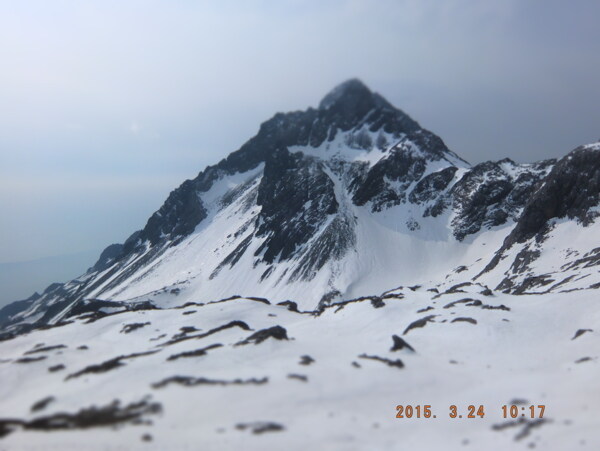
(343, 201)
(329, 235)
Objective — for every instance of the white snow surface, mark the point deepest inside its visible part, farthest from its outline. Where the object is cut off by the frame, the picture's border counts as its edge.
(526, 353)
(593, 146)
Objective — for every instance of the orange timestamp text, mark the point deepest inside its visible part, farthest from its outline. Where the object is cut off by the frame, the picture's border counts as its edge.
(470, 411)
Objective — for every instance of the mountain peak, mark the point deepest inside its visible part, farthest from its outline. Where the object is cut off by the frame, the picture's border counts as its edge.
(353, 87)
(351, 94)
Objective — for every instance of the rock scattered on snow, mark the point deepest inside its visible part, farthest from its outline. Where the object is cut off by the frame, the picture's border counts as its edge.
(580, 332)
(400, 343)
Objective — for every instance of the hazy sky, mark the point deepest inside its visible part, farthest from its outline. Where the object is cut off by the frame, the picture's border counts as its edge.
(106, 106)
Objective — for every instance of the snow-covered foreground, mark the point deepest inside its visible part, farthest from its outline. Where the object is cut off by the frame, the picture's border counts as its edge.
(322, 380)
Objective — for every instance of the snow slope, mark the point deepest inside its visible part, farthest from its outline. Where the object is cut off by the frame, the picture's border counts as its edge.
(342, 399)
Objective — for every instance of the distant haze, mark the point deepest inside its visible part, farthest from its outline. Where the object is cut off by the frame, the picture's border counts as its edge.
(20, 280)
(107, 106)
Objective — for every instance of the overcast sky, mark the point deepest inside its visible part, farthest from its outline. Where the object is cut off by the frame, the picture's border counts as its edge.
(107, 106)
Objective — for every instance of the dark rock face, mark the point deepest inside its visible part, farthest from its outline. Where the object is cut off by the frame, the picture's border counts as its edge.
(473, 195)
(178, 216)
(387, 182)
(570, 190)
(350, 102)
(296, 196)
(491, 193)
(432, 185)
(401, 166)
(108, 256)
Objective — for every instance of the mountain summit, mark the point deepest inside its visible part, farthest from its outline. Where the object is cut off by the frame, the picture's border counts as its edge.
(345, 200)
(354, 97)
